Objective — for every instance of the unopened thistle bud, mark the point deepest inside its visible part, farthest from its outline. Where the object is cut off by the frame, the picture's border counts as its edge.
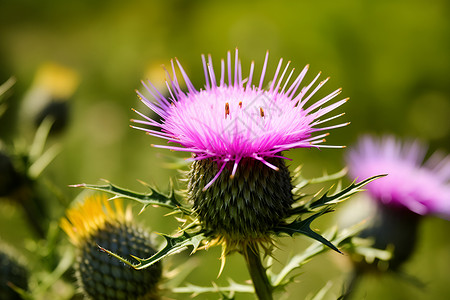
(95, 223)
(236, 130)
(12, 275)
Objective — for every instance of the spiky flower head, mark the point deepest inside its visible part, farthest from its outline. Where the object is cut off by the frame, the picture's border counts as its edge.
(412, 183)
(94, 224)
(237, 131)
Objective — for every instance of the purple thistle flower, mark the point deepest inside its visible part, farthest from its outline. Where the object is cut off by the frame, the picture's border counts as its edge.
(232, 119)
(412, 183)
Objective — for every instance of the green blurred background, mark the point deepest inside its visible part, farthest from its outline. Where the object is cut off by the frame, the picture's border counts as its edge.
(392, 58)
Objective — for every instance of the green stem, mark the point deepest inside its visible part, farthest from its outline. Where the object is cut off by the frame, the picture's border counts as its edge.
(263, 288)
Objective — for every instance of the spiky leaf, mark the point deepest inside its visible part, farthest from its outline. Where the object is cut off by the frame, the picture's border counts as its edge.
(340, 196)
(173, 245)
(147, 199)
(304, 227)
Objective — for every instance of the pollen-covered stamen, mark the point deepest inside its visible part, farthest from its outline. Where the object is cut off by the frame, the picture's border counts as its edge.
(261, 112)
(227, 109)
(240, 104)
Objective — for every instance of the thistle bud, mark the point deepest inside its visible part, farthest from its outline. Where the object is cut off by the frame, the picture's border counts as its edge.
(99, 275)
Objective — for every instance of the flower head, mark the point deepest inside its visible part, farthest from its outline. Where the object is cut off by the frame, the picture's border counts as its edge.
(95, 224)
(237, 131)
(412, 183)
(233, 119)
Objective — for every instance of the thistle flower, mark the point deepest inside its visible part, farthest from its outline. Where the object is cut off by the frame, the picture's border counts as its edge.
(413, 188)
(239, 184)
(96, 224)
(413, 184)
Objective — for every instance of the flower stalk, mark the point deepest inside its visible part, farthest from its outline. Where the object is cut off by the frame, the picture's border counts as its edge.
(263, 287)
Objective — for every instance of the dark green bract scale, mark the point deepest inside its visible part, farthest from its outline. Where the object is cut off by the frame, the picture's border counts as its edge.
(11, 273)
(104, 277)
(243, 208)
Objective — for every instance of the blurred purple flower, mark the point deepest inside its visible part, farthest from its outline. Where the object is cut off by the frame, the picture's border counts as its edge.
(231, 119)
(412, 183)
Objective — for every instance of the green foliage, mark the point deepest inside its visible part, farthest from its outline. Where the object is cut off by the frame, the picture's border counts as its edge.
(303, 227)
(153, 198)
(193, 235)
(326, 201)
(173, 245)
(342, 238)
(337, 197)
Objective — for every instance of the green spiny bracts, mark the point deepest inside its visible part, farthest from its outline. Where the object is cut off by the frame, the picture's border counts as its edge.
(11, 273)
(93, 226)
(243, 209)
(104, 277)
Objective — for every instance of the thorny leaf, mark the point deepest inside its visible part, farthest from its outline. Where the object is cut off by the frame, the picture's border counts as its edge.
(340, 196)
(173, 245)
(152, 198)
(303, 227)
